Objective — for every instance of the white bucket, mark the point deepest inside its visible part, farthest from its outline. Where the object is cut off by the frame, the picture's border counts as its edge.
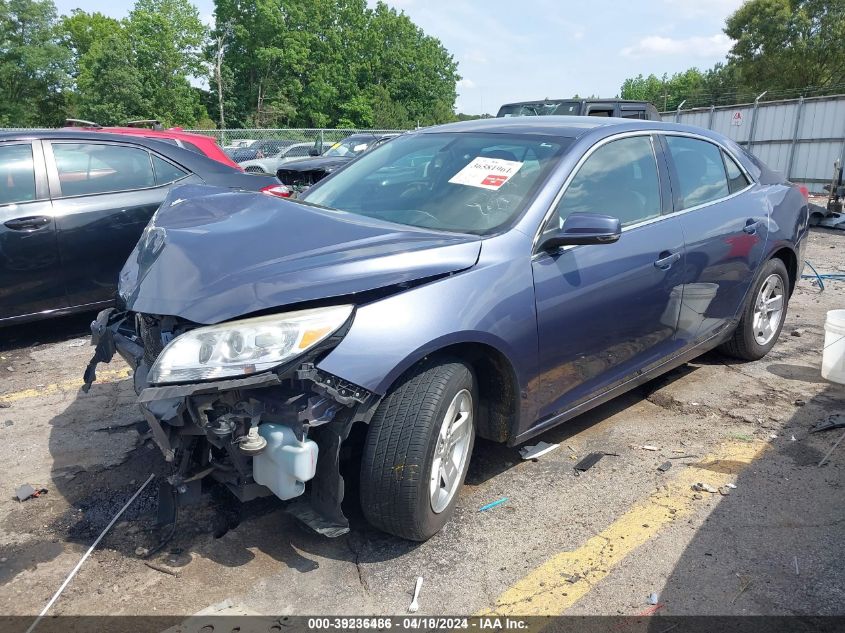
(833, 356)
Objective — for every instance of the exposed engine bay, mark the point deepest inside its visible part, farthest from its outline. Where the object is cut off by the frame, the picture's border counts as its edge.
(271, 432)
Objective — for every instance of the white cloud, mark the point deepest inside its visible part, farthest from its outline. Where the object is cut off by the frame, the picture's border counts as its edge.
(466, 83)
(697, 46)
(475, 56)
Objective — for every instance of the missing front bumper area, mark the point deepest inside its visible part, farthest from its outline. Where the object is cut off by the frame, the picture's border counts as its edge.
(299, 414)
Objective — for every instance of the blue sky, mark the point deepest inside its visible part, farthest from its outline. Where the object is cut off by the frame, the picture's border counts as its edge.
(513, 50)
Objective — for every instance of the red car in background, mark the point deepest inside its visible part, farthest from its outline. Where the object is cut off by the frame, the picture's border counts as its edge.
(198, 143)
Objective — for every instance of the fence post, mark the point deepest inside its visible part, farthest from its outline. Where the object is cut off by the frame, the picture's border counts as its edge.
(795, 130)
(678, 111)
(321, 141)
(754, 119)
(710, 120)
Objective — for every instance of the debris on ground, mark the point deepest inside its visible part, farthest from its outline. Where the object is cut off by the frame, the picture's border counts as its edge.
(835, 421)
(415, 605)
(653, 598)
(744, 583)
(141, 552)
(731, 486)
(800, 403)
(649, 447)
(832, 448)
(162, 568)
(664, 466)
(539, 449)
(797, 332)
(702, 487)
(25, 491)
(792, 439)
(724, 491)
(682, 456)
(588, 462)
(4, 405)
(795, 561)
(493, 504)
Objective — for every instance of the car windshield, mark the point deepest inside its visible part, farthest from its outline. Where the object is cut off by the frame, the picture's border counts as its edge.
(463, 182)
(349, 147)
(541, 108)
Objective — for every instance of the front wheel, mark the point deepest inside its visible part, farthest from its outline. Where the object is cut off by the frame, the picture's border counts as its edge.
(418, 448)
(762, 321)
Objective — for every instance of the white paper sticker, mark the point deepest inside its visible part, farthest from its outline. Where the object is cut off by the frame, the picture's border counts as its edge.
(486, 173)
(359, 148)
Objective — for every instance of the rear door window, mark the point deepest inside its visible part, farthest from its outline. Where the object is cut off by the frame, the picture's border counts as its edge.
(91, 168)
(166, 172)
(736, 179)
(700, 170)
(17, 174)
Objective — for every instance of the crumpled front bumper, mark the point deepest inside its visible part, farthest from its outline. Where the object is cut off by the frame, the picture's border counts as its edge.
(316, 406)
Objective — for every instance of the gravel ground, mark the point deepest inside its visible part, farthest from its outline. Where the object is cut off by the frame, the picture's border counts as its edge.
(773, 546)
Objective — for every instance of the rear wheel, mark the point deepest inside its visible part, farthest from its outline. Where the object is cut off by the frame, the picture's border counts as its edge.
(417, 451)
(762, 321)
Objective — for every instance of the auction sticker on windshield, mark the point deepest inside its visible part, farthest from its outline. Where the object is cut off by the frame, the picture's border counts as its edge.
(486, 173)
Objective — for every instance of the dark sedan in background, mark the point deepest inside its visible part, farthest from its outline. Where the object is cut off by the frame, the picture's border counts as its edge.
(301, 174)
(72, 206)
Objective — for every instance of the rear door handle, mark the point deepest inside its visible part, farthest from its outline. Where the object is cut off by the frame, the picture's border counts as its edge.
(666, 260)
(751, 226)
(31, 223)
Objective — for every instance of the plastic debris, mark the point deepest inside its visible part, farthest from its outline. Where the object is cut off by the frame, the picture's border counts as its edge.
(724, 491)
(539, 449)
(653, 598)
(4, 405)
(588, 462)
(492, 505)
(649, 447)
(25, 491)
(664, 466)
(800, 403)
(795, 561)
(792, 439)
(731, 486)
(835, 421)
(702, 487)
(415, 605)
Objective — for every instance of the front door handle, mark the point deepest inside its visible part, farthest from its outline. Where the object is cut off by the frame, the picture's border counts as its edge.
(32, 223)
(666, 260)
(751, 226)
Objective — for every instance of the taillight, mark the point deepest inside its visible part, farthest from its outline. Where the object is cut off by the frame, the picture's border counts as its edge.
(804, 192)
(280, 191)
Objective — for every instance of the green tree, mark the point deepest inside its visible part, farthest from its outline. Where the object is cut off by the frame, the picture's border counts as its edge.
(33, 64)
(332, 62)
(788, 44)
(167, 38)
(110, 90)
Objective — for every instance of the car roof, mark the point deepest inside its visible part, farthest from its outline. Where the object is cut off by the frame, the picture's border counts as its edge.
(575, 99)
(188, 158)
(561, 126)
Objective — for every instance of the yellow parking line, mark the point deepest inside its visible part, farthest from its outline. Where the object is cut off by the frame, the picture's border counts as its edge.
(58, 387)
(560, 582)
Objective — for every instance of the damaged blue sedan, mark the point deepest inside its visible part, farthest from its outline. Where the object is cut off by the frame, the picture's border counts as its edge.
(487, 279)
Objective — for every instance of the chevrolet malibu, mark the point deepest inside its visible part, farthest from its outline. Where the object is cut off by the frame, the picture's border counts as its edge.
(481, 279)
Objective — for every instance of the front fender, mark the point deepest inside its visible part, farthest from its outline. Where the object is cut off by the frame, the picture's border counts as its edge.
(491, 303)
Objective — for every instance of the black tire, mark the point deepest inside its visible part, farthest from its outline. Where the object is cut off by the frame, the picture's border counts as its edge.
(400, 446)
(742, 344)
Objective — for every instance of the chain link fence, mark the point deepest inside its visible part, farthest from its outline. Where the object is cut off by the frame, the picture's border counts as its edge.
(319, 137)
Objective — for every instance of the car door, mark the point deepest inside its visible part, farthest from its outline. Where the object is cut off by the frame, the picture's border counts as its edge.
(103, 195)
(29, 254)
(725, 228)
(607, 312)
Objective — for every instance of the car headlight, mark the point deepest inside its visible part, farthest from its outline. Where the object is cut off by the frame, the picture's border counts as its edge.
(248, 346)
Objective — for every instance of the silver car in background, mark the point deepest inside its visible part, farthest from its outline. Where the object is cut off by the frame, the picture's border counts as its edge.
(269, 164)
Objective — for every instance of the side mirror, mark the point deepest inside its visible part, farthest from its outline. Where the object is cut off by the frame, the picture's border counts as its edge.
(313, 152)
(584, 228)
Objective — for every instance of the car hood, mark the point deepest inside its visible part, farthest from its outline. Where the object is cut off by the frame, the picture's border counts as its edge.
(210, 255)
(320, 162)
